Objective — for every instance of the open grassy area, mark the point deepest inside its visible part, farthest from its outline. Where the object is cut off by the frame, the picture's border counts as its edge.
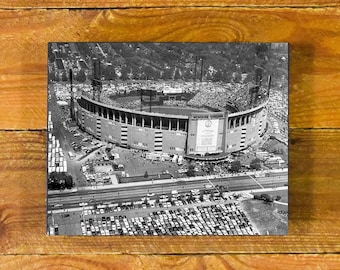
(274, 146)
(268, 218)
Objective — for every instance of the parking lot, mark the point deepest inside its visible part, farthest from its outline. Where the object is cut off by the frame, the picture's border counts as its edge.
(191, 213)
(217, 219)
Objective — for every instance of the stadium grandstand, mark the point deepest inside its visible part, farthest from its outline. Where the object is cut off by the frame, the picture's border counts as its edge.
(211, 122)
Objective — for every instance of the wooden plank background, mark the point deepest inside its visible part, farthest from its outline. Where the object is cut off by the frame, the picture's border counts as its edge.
(85, 4)
(313, 31)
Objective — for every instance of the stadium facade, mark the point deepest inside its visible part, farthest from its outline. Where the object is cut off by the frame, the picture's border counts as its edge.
(200, 133)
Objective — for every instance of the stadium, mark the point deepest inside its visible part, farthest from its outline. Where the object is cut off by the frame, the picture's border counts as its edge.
(204, 124)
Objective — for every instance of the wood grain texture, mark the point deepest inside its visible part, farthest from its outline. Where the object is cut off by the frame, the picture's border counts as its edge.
(85, 4)
(179, 262)
(314, 65)
(314, 221)
(313, 30)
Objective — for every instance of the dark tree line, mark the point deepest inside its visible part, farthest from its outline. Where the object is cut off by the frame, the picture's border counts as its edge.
(57, 181)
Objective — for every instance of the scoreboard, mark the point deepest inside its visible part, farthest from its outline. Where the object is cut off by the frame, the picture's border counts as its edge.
(206, 133)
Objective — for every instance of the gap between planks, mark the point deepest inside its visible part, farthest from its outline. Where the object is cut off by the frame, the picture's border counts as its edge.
(273, 7)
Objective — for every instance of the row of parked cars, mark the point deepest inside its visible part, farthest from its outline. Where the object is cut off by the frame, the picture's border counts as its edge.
(200, 217)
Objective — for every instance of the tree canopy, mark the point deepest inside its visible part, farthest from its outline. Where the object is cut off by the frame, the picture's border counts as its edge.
(60, 181)
(235, 166)
(255, 164)
(191, 170)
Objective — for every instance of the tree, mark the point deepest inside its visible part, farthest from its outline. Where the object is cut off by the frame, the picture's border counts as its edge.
(235, 166)
(187, 74)
(257, 197)
(60, 181)
(277, 198)
(109, 73)
(218, 76)
(146, 175)
(69, 181)
(267, 198)
(191, 170)
(54, 186)
(51, 75)
(150, 72)
(261, 50)
(167, 74)
(51, 55)
(81, 77)
(211, 168)
(64, 77)
(255, 164)
(124, 73)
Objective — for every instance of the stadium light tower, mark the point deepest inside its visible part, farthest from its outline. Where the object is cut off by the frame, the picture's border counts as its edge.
(201, 76)
(195, 70)
(72, 97)
(258, 75)
(96, 81)
(255, 89)
(253, 93)
(269, 85)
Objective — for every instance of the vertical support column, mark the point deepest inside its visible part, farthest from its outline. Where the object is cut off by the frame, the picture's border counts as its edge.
(225, 129)
(177, 124)
(151, 122)
(169, 124)
(160, 123)
(142, 121)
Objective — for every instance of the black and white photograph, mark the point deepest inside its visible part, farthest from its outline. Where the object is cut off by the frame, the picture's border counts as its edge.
(167, 139)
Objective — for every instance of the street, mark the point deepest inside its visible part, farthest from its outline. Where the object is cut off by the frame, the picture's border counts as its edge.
(134, 192)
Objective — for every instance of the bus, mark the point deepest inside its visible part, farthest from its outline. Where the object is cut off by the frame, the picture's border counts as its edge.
(71, 155)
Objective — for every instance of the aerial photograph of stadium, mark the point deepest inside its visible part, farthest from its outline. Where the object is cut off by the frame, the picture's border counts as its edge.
(148, 139)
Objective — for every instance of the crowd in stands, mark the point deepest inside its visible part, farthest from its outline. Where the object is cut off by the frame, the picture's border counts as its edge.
(211, 95)
(236, 94)
(131, 104)
(174, 103)
(211, 98)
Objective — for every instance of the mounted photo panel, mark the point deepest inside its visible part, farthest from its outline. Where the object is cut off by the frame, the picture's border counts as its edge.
(167, 139)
